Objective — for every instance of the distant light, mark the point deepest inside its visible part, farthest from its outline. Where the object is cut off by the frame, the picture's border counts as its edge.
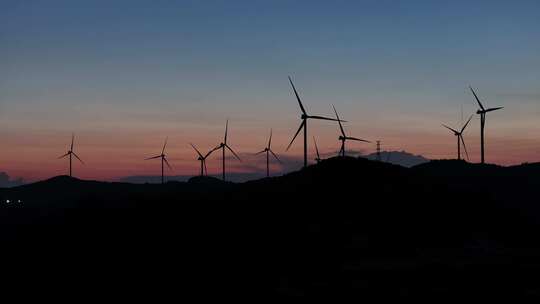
(19, 201)
(8, 201)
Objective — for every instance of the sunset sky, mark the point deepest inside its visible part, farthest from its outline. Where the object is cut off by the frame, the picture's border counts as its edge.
(123, 75)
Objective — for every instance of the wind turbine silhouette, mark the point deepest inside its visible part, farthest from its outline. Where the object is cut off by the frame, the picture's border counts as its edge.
(318, 158)
(202, 159)
(343, 137)
(460, 140)
(268, 150)
(71, 153)
(224, 145)
(482, 112)
(163, 161)
(304, 117)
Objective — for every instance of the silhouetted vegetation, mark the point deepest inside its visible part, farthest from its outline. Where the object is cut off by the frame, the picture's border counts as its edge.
(344, 228)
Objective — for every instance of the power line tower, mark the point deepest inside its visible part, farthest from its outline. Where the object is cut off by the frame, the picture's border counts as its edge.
(378, 150)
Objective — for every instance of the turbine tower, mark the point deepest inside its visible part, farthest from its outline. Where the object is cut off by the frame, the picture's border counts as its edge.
(71, 153)
(318, 158)
(378, 150)
(460, 139)
(304, 117)
(224, 146)
(482, 112)
(343, 137)
(163, 161)
(269, 151)
(202, 159)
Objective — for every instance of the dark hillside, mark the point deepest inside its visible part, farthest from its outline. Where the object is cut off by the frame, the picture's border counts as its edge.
(343, 228)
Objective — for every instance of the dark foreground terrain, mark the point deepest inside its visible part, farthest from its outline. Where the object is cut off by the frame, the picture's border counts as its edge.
(345, 228)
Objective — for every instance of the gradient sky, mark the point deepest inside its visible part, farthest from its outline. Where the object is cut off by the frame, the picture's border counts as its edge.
(123, 75)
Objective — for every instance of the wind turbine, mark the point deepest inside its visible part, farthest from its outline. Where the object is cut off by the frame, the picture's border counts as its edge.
(318, 158)
(482, 112)
(163, 161)
(343, 137)
(269, 151)
(202, 159)
(224, 145)
(71, 153)
(304, 117)
(460, 140)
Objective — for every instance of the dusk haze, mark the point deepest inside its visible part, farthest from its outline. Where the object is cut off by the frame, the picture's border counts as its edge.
(270, 150)
(123, 75)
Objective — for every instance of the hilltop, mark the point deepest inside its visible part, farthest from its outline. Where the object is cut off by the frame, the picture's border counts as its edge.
(346, 227)
(401, 158)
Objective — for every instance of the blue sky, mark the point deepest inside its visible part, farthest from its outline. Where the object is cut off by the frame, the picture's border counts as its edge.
(128, 73)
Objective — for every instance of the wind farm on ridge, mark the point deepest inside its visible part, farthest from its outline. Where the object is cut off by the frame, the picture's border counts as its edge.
(223, 146)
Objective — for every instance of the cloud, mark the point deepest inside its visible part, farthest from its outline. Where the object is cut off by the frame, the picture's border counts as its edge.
(6, 181)
(257, 163)
(401, 158)
(252, 167)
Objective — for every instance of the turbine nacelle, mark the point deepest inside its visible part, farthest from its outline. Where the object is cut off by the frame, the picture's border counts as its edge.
(268, 151)
(70, 153)
(459, 135)
(343, 137)
(482, 112)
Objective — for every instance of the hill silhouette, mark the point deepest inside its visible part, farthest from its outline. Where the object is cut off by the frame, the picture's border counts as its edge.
(401, 158)
(344, 228)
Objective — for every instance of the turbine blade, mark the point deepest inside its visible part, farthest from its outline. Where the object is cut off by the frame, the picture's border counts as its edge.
(153, 157)
(270, 140)
(464, 146)
(260, 152)
(166, 162)
(211, 151)
(63, 156)
(299, 129)
(77, 157)
(164, 145)
(450, 129)
(339, 121)
(72, 141)
(478, 100)
(197, 150)
(494, 109)
(276, 156)
(235, 155)
(316, 148)
(465, 126)
(297, 97)
(326, 118)
(226, 131)
(357, 139)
